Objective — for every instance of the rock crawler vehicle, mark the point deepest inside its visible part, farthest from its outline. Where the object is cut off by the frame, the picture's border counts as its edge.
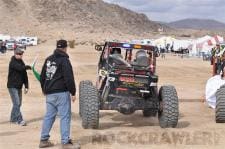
(127, 82)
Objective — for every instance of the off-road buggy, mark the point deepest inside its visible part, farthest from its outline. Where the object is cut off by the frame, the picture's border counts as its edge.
(127, 82)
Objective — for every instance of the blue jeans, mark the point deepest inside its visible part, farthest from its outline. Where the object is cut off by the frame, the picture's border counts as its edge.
(57, 103)
(16, 96)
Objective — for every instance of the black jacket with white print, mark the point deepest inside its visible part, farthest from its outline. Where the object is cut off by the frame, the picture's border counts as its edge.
(57, 74)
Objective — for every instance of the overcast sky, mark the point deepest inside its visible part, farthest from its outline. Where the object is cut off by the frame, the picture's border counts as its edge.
(171, 10)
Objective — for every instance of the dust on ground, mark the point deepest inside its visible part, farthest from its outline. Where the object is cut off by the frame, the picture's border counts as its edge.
(196, 127)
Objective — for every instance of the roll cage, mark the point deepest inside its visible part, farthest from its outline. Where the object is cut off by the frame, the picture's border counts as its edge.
(127, 53)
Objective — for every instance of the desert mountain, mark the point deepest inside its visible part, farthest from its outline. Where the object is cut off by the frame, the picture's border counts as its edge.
(54, 18)
(198, 24)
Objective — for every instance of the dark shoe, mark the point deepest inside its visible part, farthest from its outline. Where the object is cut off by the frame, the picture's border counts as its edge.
(71, 145)
(45, 144)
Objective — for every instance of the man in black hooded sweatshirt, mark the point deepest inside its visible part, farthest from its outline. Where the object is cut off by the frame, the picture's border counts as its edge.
(57, 83)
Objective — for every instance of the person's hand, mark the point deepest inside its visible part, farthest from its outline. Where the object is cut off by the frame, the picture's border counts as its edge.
(26, 90)
(28, 67)
(73, 98)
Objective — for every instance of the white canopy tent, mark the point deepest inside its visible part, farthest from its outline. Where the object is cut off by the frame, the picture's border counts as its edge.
(207, 45)
(196, 44)
(178, 44)
(163, 41)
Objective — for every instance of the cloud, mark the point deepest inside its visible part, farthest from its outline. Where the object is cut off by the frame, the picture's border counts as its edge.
(171, 10)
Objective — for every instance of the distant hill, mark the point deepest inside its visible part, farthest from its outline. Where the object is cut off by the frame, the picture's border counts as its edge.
(198, 24)
(50, 18)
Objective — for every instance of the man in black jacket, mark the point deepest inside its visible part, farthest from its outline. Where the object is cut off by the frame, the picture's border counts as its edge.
(57, 83)
(17, 76)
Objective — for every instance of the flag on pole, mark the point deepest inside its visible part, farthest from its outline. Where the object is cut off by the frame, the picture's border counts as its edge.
(36, 74)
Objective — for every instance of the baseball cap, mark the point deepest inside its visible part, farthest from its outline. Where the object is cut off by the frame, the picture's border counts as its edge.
(61, 43)
(19, 51)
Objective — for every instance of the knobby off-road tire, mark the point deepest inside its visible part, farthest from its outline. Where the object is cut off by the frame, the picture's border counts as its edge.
(168, 107)
(90, 109)
(220, 105)
(82, 95)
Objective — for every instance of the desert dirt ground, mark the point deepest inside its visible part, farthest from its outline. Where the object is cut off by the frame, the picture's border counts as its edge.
(196, 128)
